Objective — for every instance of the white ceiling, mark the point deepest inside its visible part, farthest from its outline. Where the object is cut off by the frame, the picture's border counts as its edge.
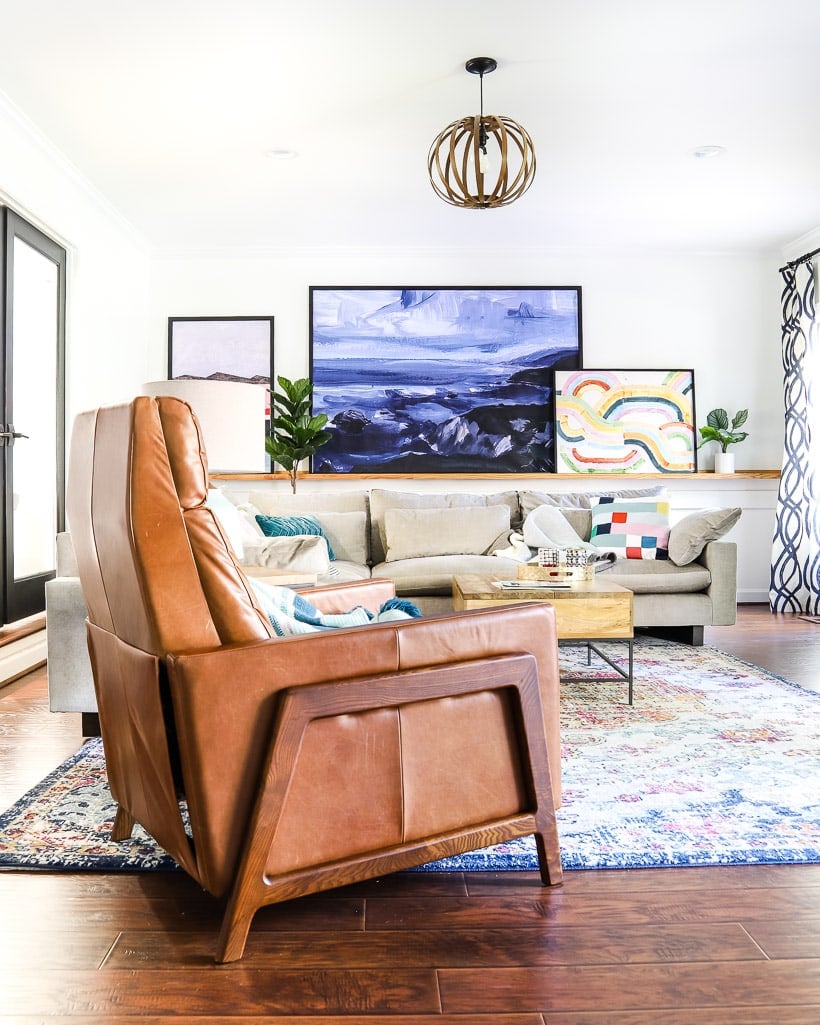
(168, 107)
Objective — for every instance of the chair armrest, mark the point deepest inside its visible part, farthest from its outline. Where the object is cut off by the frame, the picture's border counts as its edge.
(255, 673)
(227, 699)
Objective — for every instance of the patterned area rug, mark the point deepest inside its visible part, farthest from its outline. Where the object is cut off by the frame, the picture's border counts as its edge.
(716, 763)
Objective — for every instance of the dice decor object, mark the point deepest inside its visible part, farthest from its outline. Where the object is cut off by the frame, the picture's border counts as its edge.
(558, 564)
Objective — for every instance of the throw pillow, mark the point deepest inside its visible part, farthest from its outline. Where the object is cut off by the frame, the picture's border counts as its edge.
(228, 518)
(418, 533)
(689, 536)
(381, 500)
(346, 534)
(292, 526)
(632, 528)
(299, 553)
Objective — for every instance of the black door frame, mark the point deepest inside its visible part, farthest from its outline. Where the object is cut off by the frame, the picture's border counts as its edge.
(26, 597)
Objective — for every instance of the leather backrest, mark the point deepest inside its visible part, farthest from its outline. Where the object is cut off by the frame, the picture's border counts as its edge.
(155, 566)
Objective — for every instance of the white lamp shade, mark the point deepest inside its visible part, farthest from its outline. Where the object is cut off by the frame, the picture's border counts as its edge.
(232, 417)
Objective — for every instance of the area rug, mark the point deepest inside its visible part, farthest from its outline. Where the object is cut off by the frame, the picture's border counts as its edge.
(716, 763)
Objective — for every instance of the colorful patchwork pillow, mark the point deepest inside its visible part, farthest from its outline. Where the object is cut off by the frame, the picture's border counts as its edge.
(292, 526)
(632, 528)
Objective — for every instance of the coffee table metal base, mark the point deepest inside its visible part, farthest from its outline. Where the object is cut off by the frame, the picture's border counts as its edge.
(625, 674)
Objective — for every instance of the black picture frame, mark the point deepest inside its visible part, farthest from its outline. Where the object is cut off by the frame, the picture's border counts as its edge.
(429, 380)
(625, 421)
(221, 349)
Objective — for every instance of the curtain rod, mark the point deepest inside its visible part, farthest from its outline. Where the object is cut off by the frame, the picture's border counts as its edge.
(801, 259)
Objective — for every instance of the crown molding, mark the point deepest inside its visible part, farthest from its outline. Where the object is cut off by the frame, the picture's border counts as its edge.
(71, 171)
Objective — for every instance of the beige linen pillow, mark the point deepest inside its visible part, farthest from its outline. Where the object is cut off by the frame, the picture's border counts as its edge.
(347, 534)
(419, 533)
(382, 499)
(689, 536)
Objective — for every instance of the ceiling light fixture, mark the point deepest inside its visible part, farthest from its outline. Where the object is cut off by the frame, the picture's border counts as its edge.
(461, 169)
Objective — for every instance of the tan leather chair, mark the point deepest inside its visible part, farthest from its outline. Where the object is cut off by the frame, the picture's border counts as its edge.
(270, 768)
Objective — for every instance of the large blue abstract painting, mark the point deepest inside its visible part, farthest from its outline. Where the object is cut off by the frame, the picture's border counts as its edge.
(440, 380)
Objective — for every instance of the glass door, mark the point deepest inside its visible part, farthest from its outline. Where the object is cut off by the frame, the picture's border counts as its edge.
(32, 436)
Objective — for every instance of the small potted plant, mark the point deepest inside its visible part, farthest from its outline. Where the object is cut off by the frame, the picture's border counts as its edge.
(717, 429)
(295, 433)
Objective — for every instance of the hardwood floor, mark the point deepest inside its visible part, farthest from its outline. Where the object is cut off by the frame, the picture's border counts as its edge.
(698, 946)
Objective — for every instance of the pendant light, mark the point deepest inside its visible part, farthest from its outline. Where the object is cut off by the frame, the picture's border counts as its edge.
(481, 161)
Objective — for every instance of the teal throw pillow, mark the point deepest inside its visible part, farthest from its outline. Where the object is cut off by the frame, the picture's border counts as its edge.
(291, 526)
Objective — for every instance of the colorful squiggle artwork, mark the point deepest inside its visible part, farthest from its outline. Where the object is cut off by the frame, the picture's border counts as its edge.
(625, 421)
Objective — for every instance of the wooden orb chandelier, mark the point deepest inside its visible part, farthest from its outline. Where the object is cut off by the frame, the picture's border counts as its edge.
(461, 169)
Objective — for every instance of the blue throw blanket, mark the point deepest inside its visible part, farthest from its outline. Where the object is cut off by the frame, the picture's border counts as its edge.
(291, 613)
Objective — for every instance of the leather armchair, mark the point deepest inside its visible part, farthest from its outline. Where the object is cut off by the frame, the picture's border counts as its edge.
(275, 767)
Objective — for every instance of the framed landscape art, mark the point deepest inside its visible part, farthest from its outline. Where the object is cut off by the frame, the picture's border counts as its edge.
(221, 349)
(625, 421)
(440, 380)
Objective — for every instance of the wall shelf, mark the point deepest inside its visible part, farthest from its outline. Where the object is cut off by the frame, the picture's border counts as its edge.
(543, 477)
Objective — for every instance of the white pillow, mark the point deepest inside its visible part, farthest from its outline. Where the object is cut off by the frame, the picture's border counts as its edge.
(298, 553)
(229, 519)
(419, 533)
(251, 531)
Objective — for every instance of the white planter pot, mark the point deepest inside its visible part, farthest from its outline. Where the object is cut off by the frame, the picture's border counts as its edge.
(724, 462)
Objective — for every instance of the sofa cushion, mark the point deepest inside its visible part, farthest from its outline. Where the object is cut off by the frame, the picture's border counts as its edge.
(434, 575)
(416, 533)
(292, 526)
(632, 528)
(382, 499)
(689, 536)
(346, 534)
(662, 577)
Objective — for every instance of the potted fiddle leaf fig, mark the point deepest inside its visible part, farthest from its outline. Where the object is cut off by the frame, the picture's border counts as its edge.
(295, 433)
(717, 429)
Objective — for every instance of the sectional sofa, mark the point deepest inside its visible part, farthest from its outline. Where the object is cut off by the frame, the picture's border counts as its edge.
(420, 541)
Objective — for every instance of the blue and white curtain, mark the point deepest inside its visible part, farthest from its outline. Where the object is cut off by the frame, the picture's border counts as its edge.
(795, 579)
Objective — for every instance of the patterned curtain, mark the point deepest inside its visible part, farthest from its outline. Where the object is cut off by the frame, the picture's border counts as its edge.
(795, 579)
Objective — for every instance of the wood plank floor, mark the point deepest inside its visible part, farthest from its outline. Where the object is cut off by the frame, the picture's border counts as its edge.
(716, 946)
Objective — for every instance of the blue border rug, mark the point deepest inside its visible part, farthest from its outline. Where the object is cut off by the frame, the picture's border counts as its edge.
(716, 763)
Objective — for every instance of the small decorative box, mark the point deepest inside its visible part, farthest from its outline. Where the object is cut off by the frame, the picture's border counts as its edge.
(562, 573)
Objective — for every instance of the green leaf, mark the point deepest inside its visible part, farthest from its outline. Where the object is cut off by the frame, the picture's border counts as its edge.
(740, 419)
(719, 419)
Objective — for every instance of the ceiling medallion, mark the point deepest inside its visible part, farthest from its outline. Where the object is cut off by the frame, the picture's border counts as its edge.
(481, 161)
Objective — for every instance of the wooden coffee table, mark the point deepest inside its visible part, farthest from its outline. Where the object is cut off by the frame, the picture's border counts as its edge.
(589, 611)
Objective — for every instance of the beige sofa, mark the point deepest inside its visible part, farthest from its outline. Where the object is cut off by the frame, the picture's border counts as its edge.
(419, 541)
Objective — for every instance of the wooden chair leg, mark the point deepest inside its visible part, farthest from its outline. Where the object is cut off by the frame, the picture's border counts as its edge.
(123, 825)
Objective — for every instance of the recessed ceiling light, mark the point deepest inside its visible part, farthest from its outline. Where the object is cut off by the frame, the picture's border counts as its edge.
(281, 154)
(705, 152)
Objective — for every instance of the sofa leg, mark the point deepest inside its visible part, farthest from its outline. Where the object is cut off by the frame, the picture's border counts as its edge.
(90, 724)
(691, 635)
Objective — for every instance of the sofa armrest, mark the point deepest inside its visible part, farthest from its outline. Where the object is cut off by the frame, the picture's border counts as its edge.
(70, 682)
(720, 558)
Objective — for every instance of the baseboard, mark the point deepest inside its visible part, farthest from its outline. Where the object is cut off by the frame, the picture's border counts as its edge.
(752, 596)
(20, 657)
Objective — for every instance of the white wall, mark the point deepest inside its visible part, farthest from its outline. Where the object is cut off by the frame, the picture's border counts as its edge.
(716, 313)
(108, 264)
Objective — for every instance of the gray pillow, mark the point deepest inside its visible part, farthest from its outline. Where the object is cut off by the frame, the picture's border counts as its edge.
(582, 499)
(689, 536)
